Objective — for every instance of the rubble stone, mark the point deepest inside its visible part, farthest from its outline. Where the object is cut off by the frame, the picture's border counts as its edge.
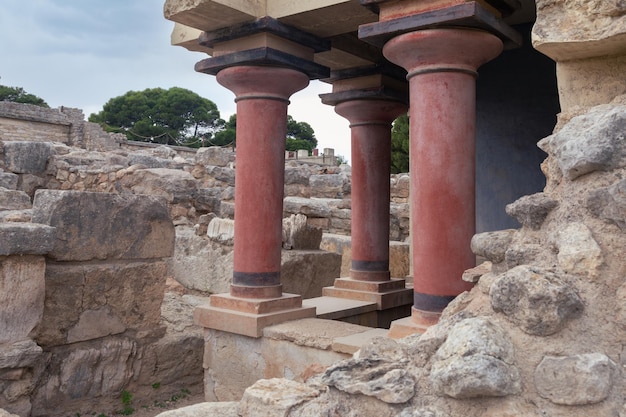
(609, 203)
(492, 245)
(579, 253)
(531, 210)
(27, 157)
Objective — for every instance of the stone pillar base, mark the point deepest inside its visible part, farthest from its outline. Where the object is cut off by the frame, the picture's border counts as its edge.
(417, 323)
(247, 316)
(386, 294)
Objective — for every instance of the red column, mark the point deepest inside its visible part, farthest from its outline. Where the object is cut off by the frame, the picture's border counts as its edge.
(262, 96)
(441, 65)
(370, 126)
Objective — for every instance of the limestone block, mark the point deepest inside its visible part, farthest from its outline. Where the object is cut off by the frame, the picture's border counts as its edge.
(387, 380)
(579, 253)
(4, 413)
(21, 296)
(609, 203)
(329, 185)
(575, 29)
(8, 180)
(201, 264)
(590, 142)
(531, 210)
(297, 234)
(13, 200)
(215, 156)
(306, 272)
(313, 332)
(225, 175)
(473, 275)
(575, 380)
(105, 226)
(476, 360)
(221, 230)
(148, 161)
(174, 184)
(310, 207)
(275, 397)
(26, 157)
(207, 200)
(492, 245)
(88, 301)
(26, 239)
(19, 354)
(421, 412)
(212, 409)
(536, 300)
(297, 175)
(400, 187)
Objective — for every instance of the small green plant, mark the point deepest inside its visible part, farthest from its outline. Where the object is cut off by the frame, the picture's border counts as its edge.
(185, 391)
(127, 399)
(156, 385)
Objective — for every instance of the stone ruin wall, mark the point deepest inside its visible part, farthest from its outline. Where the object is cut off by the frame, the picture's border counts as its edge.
(89, 220)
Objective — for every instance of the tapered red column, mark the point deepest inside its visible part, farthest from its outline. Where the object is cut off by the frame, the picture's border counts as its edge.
(262, 96)
(441, 66)
(370, 126)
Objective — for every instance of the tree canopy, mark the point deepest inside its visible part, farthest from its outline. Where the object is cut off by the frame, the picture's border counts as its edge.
(400, 145)
(176, 116)
(18, 95)
(300, 135)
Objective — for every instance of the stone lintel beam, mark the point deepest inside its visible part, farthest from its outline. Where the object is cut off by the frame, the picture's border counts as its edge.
(470, 15)
(263, 42)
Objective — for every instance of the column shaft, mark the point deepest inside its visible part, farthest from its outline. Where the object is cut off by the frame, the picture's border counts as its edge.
(441, 65)
(262, 96)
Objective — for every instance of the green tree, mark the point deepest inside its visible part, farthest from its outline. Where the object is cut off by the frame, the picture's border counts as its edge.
(18, 95)
(176, 116)
(400, 145)
(227, 135)
(300, 135)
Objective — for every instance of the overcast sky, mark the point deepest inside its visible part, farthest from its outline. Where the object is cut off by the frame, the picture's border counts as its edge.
(81, 53)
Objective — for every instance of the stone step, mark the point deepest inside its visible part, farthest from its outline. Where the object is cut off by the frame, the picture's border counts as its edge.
(333, 308)
(14, 200)
(17, 216)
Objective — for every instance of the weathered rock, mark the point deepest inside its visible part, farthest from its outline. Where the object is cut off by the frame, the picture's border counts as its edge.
(531, 210)
(329, 185)
(88, 301)
(105, 226)
(593, 141)
(8, 180)
(308, 206)
(14, 200)
(306, 272)
(387, 380)
(215, 156)
(22, 290)
(26, 239)
(575, 380)
(473, 274)
(492, 245)
(297, 175)
(26, 157)
(173, 184)
(477, 359)
(609, 203)
(148, 161)
(275, 397)
(384, 348)
(224, 174)
(207, 200)
(579, 253)
(536, 300)
(212, 409)
(19, 354)
(524, 254)
(421, 412)
(297, 234)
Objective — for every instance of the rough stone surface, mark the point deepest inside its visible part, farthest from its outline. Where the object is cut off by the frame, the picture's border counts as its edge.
(88, 301)
(590, 142)
(4, 413)
(8, 180)
(27, 157)
(213, 409)
(473, 274)
(387, 380)
(173, 184)
(297, 234)
(19, 354)
(105, 226)
(310, 207)
(492, 245)
(306, 272)
(421, 412)
(609, 203)
(275, 397)
(575, 380)
(579, 253)
(26, 239)
(22, 289)
(534, 299)
(476, 360)
(14, 200)
(531, 210)
(214, 155)
(221, 230)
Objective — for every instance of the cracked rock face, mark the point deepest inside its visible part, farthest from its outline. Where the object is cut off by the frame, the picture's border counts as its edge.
(575, 380)
(476, 360)
(536, 300)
